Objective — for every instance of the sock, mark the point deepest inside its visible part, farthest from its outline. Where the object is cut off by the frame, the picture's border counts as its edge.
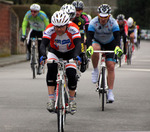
(95, 69)
(110, 90)
(71, 98)
(51, 96)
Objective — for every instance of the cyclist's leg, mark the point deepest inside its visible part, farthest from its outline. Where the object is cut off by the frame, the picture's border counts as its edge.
(39, 35)
(30, 34)
(95, 60)
(51, 81)
(110, 64)
(72, 84)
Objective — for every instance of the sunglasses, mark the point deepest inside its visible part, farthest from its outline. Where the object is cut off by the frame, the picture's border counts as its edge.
(34, 11)
(79, 10)
(103, 17)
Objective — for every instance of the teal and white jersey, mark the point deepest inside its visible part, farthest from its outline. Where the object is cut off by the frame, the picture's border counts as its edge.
(38, 23)
(104, 34)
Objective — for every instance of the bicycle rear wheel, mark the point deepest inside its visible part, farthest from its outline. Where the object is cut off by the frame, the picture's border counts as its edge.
(60, 110)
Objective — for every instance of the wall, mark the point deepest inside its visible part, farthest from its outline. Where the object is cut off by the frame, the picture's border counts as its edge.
(5, 29)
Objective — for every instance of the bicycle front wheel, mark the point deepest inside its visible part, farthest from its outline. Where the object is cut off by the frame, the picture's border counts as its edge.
(103, 88)
(60, 110)
(33, 62)
(129, 54)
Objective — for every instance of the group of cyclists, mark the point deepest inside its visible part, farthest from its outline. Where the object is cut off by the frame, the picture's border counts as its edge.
(73, 34)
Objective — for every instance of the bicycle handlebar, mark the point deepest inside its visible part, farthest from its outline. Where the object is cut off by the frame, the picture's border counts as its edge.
(107, 51)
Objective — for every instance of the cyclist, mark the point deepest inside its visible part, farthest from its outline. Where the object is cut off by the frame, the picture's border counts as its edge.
(38, 21)
(132, 31)
(64, 39)
(104, 31)
(70, 10)
(82, 21)
(123, 31)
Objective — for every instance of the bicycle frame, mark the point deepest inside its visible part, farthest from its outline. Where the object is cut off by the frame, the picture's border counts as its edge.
(34, 56)
(102, 79)
(62, 94)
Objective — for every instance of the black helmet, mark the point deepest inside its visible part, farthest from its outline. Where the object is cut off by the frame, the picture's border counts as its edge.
(120, 17)
(78, 4)
(104, 10)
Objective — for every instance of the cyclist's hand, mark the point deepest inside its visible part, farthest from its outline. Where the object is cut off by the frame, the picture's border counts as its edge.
(42, 58)
(89, 51)
(23, 37)
(78, 60)
(118, 51)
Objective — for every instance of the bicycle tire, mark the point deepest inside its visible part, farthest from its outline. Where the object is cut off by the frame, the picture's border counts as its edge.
(129, 54)
(60, 118)
(33, 62)
(103, 88)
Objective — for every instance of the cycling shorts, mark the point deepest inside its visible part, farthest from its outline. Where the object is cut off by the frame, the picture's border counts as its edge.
(109, 46)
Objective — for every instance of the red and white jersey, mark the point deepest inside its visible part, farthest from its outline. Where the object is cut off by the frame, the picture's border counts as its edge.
(64, 42)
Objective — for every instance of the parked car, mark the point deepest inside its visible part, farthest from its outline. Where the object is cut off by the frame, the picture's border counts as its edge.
(145, 34)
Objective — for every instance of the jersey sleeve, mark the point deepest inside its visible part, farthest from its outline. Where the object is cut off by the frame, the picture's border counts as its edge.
(25, 23)
(45, 18)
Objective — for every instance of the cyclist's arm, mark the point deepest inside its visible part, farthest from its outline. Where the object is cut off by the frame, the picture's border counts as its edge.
(90, 36)
(77, 43)
(24, 24)
(43, 46)
(117, 38)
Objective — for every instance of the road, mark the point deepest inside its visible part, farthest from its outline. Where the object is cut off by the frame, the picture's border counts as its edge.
(23, 100)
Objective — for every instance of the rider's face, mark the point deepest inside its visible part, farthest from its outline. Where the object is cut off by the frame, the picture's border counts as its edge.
(78, 12)
(103, 20)
(60, 30)
(120, 22)
(34, 13)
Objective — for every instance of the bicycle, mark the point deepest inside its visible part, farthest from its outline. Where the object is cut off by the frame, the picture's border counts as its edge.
(101, 86)
(129, 51)
(34, 57)
(62, 93)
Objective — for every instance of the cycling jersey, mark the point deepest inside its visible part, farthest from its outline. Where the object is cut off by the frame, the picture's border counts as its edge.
(37, 23)
(63, 43)
(81, 22)
(124, 27)
(103, 34)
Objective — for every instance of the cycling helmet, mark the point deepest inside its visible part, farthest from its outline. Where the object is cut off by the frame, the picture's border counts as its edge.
(130, 21)
(35, 7)
(120, 17)
(104, 10)
(60, 18)
(78, 4)
(69, 9)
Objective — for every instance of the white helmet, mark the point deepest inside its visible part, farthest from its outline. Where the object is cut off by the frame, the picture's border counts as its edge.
(60, 18)
(130, 21)
(69, 9)
(35, 7)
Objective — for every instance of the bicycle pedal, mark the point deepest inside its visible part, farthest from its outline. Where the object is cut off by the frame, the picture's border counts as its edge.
(52, 111)
(110, 101)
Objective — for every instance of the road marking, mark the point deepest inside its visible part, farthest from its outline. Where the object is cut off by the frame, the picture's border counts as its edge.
(141, 70)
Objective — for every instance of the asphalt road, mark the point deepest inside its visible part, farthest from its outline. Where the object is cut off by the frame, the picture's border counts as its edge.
(23, 100)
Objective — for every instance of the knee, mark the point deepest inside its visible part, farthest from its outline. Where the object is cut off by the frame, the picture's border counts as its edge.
(72, 79)
(111, 67)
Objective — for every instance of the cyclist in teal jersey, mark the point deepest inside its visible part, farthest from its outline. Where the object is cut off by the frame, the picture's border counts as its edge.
(38, 21)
